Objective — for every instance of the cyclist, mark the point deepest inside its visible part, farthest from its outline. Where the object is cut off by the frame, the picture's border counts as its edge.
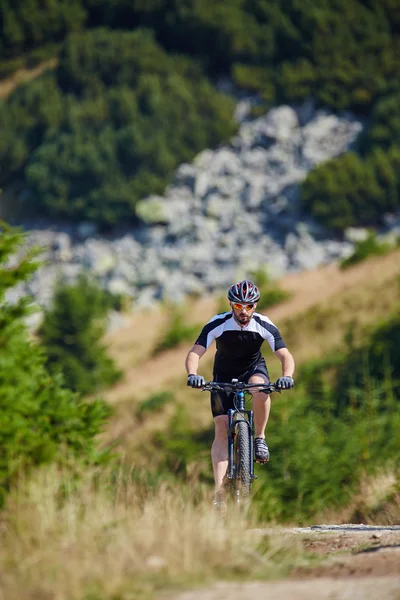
(239, 335)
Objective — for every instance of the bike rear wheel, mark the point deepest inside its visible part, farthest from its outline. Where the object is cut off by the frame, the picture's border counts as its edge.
(243, 463)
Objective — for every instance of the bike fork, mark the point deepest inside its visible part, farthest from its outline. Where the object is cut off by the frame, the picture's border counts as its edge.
(230, 472)
(251, 447)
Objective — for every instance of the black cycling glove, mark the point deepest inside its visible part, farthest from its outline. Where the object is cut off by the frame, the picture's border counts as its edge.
(285, 383)
(195, 381)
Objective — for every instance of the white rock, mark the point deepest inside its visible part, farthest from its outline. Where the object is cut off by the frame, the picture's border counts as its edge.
(356, 234)
(118, 287)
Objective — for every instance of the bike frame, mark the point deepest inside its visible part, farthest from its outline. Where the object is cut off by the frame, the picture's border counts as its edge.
(239, 388)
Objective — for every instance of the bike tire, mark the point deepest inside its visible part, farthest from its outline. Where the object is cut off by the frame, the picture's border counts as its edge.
(243, 462)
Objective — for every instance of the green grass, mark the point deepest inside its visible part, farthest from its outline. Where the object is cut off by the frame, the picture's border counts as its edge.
(371, 246)
(270, 292)
(154, 403)
(177, 331)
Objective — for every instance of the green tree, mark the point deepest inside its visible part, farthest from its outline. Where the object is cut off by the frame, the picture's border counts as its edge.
(33, 111)
(109, 127)
(26, 24)
(71, 334)
(384, 127)
(372, 365)
(130, 100)
(350, 191)
(40, 419)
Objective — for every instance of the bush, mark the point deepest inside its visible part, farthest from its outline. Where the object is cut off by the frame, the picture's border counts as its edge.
(27, 25)
(270, 292)
(352, 191)
(107, 128)
(41, 420)
(71, 334)
(371, 246)
(154, 403)
(176, 332)
(184, 449)
(374, 364)
(384, 127)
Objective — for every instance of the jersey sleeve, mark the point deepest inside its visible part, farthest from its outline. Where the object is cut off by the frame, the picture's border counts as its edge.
(206, 337)
(278, 341)
(269, 332)
(212, 330)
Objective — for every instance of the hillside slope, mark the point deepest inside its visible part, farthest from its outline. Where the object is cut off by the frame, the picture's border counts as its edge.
(324, 302)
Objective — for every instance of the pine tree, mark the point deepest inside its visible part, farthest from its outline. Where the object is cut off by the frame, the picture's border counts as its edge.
(40, 418)
(71, 334)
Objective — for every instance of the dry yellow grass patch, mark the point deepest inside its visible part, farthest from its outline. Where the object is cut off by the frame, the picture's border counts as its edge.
(62, 541)
(376, 502)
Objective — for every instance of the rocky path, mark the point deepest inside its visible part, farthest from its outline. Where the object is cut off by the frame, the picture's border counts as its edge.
(356, 562)
(374, 588)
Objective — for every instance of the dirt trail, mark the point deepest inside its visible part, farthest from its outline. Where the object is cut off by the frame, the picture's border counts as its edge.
(358, 563)
(24, 74)
(374, 588)
(309, 288)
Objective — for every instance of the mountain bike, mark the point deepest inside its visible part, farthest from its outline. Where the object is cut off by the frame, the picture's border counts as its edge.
(240, 472)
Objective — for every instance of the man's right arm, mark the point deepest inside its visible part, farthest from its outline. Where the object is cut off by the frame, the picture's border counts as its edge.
(193, 359)
(192, 364)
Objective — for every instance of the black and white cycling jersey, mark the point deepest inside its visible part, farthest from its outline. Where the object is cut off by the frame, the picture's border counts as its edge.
(238, 347)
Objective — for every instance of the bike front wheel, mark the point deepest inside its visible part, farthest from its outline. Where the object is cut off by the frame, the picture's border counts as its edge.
(243, 462)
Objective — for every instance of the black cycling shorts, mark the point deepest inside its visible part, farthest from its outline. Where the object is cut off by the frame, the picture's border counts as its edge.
(221, 402)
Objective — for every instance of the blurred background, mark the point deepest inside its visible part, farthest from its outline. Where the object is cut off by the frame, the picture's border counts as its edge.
(152, 154)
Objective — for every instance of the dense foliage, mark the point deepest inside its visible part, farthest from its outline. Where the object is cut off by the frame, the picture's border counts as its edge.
(371, 246)
(26, 25)
(72, 333)
(122, 110)
(366, 366)
(350, 190)
(344, 52)
(109, 126)
(40, 418)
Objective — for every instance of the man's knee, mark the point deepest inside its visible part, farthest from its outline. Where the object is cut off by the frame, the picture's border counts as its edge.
(259, 396)
(221, 427)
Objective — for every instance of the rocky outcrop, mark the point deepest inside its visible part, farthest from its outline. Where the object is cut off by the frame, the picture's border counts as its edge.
(232, 211)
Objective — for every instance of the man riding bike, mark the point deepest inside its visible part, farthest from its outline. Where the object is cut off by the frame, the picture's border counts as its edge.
(239, 335)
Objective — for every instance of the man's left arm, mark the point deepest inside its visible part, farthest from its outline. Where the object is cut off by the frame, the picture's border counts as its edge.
(288, 366)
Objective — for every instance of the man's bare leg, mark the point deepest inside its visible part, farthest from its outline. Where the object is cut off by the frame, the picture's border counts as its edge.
(219, 450)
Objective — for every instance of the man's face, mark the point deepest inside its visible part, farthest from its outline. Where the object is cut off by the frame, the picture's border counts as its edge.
(243, 312)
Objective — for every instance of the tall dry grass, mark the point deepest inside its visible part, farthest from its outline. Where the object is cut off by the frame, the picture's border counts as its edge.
(62, 539)
(376, 502)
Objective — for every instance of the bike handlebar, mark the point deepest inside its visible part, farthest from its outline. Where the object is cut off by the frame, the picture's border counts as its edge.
(239, 386)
